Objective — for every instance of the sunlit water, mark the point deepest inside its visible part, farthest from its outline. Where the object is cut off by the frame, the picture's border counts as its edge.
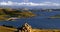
(40, 21)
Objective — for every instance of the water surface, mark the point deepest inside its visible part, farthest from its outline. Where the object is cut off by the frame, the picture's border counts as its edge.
(39, 21)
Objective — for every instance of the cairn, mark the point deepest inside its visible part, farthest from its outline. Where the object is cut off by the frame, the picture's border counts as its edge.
(26, 28)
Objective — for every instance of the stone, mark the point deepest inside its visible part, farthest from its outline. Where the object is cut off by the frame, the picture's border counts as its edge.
(26, 28)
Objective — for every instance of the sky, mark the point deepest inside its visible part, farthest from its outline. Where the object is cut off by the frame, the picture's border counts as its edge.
(30, 2)
(38, 1)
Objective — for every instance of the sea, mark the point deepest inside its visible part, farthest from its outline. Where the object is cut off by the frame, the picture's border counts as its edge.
(42, 20)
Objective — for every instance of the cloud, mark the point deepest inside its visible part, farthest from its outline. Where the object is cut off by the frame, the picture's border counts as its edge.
(10, 3)
(6, 3)
(49, 4)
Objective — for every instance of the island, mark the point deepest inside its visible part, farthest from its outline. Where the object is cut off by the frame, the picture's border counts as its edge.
(55, 16)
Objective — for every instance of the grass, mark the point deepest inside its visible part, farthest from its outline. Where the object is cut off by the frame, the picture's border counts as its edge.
(6, 29)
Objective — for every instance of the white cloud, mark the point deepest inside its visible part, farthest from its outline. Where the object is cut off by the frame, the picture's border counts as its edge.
(6, 3)
(10, 3)
(49, 4)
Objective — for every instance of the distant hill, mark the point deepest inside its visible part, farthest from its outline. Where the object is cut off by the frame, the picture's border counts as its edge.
(32, 7)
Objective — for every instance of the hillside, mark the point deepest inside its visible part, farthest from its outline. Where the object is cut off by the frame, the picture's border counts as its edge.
(8, 13)
(6, 29)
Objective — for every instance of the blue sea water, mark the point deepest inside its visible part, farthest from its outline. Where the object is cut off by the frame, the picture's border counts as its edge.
(39, 21)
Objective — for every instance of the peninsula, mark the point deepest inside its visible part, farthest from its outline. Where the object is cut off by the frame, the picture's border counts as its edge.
(6, 13)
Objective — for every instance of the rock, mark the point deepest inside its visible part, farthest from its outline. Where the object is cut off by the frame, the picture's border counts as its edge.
(26, 28)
